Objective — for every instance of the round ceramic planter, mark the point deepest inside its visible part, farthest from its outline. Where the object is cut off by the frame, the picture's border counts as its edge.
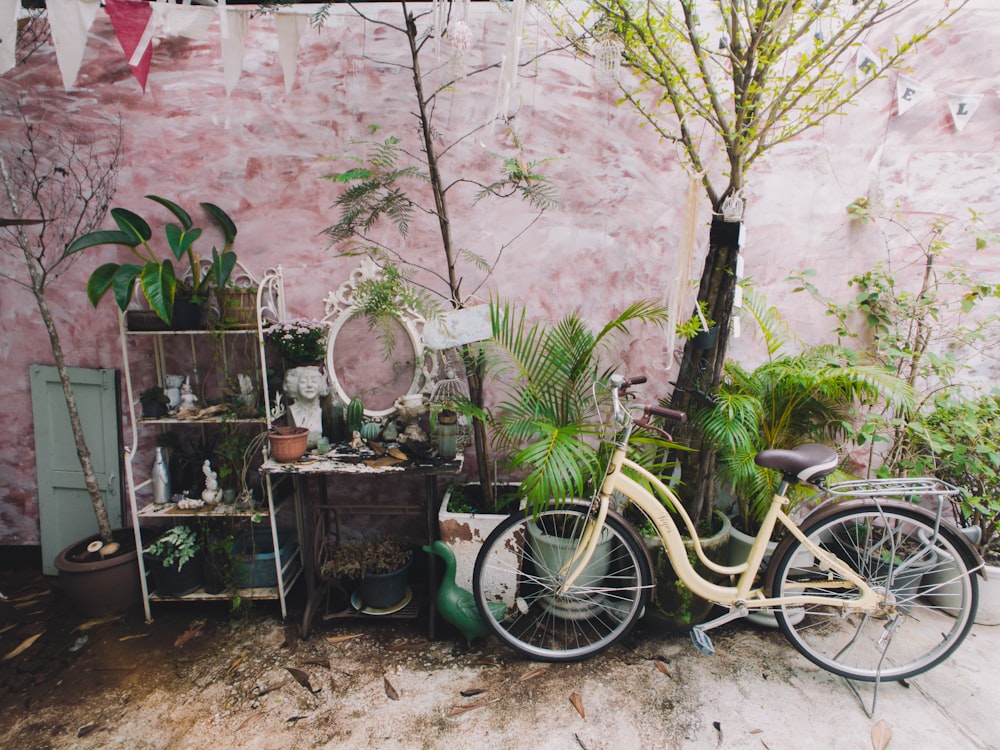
(97, 587)
(288, 444)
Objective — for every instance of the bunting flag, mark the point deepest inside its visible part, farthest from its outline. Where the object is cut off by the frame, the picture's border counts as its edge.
(867, 62)
(290, 27)
(8, 34)
(133, 23)
(908, 93)
(962, 107)
(69, 22)
(189, 21)
(233, 49)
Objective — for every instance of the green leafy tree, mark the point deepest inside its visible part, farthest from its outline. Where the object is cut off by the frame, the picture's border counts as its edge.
(725, 82)
(386, 185)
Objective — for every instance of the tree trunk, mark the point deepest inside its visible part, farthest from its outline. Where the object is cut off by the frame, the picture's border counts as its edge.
(701, 369)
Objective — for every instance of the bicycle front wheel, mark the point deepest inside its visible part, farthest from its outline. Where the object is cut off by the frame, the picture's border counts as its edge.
(928, 596)
(517, 578)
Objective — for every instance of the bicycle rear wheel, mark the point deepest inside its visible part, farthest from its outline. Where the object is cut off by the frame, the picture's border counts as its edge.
(929, 597)
(516, 578)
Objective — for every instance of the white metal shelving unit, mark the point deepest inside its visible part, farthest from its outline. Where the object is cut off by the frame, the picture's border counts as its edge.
(270, 306)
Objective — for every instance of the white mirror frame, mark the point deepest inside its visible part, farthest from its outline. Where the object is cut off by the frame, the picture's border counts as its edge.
(340, 307)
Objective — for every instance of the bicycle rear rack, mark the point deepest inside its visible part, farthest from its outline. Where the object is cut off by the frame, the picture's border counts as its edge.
(909, 487)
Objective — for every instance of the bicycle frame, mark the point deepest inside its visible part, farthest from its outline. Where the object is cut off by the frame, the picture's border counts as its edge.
(743, 594)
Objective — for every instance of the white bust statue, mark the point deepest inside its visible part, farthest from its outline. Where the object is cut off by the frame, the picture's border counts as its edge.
(304, 387)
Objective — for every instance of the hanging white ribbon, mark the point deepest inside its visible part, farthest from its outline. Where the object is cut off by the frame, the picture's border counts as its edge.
(908, 93)
(69, 21)
(189, 21)
(963, 107)
(290, 29)
(511, 58)
(8, 34)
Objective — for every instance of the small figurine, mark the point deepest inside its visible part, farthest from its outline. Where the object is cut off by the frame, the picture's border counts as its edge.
(356, 442)
(211, 494)
(188, 399)
(173, 390)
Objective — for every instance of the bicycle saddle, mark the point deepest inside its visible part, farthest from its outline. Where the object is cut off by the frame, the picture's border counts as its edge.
(809, 462)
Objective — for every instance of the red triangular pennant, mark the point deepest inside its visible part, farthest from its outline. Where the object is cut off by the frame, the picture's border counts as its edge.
(129, 19)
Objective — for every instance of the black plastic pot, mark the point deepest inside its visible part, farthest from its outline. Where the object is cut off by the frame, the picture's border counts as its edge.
(171, 581)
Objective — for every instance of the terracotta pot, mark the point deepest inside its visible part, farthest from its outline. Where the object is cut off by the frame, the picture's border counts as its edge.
(288, 444)
(97, 587)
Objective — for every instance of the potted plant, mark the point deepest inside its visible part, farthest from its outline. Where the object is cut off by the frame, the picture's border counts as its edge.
(787, 400)
(175, 561)
(299, 341)
(155, 402)
(546, 416)
(378, 564)
(161, 284)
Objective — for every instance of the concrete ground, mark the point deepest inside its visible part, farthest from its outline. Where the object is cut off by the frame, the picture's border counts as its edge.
(196, 678)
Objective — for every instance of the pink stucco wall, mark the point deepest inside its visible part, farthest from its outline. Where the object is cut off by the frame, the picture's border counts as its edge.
(259, 154)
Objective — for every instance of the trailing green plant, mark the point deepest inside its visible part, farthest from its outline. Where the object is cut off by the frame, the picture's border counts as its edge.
(547, 416)
(810, 396)
(175, 547)
(157, 277)
(695, 324)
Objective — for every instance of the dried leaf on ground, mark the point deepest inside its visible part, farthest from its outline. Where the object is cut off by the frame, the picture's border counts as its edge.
(577, 702)
(532, 674)
(86, 729)
(342, 638)
(407, 645)
(302, 678)
(390, 690)
(193, 632)
(660, 665)
(473, 692)
(881, 735)
(133, 637)
(456, 710)
(25, 645)
(271, 688)
(100, 621)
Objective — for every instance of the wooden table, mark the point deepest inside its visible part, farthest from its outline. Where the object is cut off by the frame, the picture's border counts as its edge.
(344, 462)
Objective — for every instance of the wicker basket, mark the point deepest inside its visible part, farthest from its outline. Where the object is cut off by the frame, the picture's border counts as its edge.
(288, 444)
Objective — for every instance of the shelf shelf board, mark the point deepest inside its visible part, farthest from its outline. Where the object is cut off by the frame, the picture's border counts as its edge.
(257, 592)
(207, 420)
(219, 510)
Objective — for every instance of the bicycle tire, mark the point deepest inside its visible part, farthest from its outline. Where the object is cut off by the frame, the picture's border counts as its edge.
(929, 597)
(516, 576)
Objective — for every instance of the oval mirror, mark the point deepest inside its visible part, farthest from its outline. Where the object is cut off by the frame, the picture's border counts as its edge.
(359, 367)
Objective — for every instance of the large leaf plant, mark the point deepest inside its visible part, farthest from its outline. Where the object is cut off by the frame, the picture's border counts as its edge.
(547, 418)
(158, 278)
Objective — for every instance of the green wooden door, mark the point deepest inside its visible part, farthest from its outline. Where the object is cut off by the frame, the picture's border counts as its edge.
(64, 509)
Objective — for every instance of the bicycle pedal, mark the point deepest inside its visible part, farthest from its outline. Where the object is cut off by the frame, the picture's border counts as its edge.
(702, 641)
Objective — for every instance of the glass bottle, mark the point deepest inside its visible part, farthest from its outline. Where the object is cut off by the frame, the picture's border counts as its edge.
(160, 479)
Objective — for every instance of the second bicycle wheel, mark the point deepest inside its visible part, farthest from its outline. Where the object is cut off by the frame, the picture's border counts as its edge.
(927, 595)
(516, 582)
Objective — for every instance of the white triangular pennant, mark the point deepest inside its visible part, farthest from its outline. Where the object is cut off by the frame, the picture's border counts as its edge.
(8, 34)
(867, 62)
(908, 93)
(290, 28)
(233, 49)
(963, 107)
(69, 21)
(189, 21)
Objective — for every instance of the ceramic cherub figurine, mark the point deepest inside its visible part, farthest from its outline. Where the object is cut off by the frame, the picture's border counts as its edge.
(188, 399)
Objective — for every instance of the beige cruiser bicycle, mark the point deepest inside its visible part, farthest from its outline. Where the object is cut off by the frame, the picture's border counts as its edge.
(871, 586)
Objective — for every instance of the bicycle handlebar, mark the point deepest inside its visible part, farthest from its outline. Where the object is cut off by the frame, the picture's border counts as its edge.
(620, 386)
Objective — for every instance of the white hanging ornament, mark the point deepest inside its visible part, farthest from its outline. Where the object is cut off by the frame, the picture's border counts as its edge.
(607, 60)
(460, 36)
